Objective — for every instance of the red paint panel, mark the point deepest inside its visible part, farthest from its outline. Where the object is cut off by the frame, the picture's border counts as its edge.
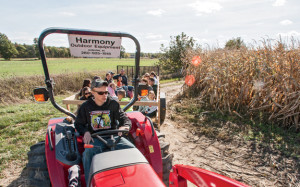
(110, 180)
(56, 171)
(135, 175)
(200, 177)
(54, 121)
(145, 139)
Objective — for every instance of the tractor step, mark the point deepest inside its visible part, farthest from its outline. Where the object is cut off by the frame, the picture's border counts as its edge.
(160, 135)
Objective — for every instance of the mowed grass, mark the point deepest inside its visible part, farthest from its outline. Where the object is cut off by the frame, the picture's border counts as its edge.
(21, 126)
(27, 67)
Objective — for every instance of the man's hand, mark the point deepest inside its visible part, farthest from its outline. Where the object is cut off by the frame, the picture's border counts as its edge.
(122, 128)
(87, 138)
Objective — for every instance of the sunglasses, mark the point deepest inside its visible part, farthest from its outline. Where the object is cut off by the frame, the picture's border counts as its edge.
(102, 93)
(87, 93)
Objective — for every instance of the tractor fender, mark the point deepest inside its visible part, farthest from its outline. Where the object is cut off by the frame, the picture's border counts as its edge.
(57, 170)
(145, 139)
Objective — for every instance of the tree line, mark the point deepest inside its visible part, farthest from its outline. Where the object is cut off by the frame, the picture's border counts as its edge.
(10, 50)
(169, 57)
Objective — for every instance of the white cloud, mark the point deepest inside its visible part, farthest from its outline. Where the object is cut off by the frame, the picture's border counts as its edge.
(21, 37)
(206, 7)
(286, 22)
(289, 34)
(279, 3)
(70, 14)
(153, 36)
(160, 41)
(158, 12)
(58, 40)
(259, 23)
(201, 40)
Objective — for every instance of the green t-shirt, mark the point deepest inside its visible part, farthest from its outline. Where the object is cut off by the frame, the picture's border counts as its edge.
(130, 109)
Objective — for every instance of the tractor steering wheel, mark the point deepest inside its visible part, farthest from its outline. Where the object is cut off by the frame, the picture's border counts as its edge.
(111, 143)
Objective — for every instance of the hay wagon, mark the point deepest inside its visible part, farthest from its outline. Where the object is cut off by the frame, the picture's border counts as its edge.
(160, 97)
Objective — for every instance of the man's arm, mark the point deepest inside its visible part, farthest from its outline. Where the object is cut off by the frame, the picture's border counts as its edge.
(116, 77)
(81, 122)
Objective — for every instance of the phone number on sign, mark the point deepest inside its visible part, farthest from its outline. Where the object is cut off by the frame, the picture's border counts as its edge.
(95, 53)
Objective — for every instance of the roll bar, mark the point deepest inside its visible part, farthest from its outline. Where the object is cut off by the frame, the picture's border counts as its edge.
(49, 82)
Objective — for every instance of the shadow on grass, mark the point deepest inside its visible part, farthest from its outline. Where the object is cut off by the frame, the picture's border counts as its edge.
(20, 59)
(22, 180)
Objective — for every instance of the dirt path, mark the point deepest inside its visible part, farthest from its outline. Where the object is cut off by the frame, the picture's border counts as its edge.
(246, 162)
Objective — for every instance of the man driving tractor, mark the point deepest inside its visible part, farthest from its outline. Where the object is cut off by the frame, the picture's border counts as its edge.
(88, 122)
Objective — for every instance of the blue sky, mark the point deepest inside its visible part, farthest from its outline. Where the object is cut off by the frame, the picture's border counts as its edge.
(152, 22)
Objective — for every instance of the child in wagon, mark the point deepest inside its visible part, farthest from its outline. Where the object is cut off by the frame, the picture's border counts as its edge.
(149, 111)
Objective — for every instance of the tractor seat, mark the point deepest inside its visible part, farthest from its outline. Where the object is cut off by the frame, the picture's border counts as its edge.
(116, 159)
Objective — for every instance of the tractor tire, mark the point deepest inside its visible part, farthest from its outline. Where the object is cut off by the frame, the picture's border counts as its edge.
(166, 157)
(37, 166)
(163, 106)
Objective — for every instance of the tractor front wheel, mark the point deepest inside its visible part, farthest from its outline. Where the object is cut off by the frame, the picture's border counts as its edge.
(37, 166)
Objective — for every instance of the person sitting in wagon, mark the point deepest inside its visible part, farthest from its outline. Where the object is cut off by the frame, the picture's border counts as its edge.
(122, 97)
(108, 78)
(149, 111)
(154, 76)
(86, 93)
(123, 75)
(86, 83)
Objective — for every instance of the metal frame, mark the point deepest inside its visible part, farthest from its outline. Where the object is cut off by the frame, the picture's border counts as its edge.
(49, 82)
(126, 68)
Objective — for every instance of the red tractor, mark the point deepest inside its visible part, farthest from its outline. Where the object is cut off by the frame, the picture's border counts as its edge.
(149, 164)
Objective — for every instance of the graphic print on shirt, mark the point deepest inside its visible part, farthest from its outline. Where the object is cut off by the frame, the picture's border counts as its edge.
(100, 120)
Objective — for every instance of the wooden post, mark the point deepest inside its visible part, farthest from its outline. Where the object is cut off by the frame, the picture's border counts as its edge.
(68, 107)
(158, 100)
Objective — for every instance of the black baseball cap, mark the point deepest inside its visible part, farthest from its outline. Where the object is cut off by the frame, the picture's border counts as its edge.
(98, 83)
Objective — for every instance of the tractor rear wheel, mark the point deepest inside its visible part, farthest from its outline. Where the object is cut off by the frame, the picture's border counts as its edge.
(37, 166)
(167, 157)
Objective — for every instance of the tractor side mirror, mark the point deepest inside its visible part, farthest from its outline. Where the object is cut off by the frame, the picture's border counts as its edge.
(41, 94)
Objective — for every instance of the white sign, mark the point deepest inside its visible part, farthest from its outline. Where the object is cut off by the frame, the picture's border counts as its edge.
(94, 46)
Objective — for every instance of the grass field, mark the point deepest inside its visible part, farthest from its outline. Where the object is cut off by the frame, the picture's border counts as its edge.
(21, 67)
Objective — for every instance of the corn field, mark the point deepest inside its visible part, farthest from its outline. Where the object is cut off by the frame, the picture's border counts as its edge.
(264, 81)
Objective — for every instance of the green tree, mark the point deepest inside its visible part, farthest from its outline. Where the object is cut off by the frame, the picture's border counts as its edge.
(122, 52)
(171, 57)
(36, 47)
(30, 51)
(235, 43)
(7, 49)
(21, 51)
